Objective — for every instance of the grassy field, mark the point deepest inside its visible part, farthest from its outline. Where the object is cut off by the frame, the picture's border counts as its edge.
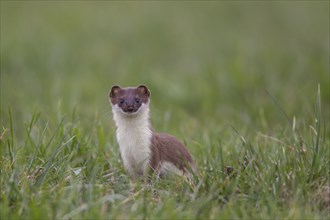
(245, 85)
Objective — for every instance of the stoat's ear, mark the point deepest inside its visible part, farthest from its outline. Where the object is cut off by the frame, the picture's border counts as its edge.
(144, 90)
(114, 91)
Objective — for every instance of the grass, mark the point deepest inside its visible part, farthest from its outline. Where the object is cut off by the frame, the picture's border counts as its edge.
(244, 85)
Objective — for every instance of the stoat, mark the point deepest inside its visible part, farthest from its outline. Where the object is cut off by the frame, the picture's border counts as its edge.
(142, 148)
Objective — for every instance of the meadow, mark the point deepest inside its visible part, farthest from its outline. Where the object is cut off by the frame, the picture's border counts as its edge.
(244, 84)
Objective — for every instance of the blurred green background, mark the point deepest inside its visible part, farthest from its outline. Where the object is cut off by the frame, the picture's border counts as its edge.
(236, 81)
(204, 62)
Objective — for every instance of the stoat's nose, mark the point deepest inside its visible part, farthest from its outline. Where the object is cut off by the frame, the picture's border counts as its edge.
(130, 109)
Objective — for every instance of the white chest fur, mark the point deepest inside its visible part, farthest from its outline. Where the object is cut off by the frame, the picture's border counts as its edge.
(134, 139)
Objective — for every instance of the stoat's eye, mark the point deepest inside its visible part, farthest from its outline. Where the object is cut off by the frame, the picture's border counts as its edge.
(121, 101)
(137, 101)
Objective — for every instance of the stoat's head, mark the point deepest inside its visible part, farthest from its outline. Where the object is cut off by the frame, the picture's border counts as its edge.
(129, 101)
